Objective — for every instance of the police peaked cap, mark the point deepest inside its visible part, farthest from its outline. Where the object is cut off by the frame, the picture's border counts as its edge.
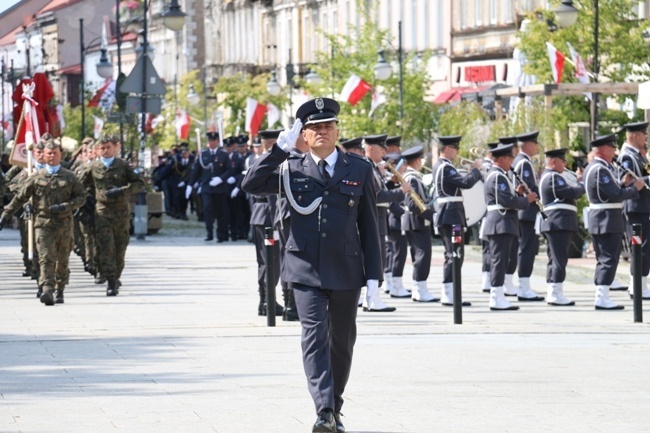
(636, 127)
(508, 140)
(318, 110)
(606, 140)
(377, 140)
(556, 153)
(395, 140)
(503, 150)
(212, 135)
(528, 136)
(257, 142)
(230, 141)
(450, 140)
(393, 157)
(413, 153)
(492, 145)
(269, 134)
(242, 140)
(353, 143)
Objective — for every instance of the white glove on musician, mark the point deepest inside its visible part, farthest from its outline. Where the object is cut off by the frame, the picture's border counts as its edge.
(188, 192)
(216, 181)
(234, 192)
(288, 137)
(231, 180)
(181, 184)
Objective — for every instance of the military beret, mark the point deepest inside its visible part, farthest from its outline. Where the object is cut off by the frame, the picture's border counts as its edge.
(503, 150)
(556, 153)
(636, 127)
(508, 140)
(377, 140)
(395, 140)
(528, 136)
(87, 141)
(269, 134)
(450, 140)
(318, 110)
(353, 143)
(606, 140)
(51, 144)
(414, 152)
(212, 135)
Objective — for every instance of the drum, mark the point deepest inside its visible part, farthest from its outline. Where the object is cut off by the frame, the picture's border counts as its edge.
(474, 201)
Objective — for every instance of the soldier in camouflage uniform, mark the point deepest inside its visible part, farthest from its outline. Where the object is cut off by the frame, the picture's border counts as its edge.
(85, 216)
(111, 181)
(56, 194)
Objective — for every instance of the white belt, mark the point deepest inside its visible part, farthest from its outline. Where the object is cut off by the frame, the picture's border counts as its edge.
(493, 207)
(451, 199)
(561, 206)
(606, 206)
(382, 205)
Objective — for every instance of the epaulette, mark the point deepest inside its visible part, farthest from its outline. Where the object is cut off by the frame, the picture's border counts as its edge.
(293, 155)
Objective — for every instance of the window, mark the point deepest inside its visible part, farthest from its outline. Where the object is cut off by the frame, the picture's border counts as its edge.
(493, 12)
(478, 12)
(508, 11)
(462, 11)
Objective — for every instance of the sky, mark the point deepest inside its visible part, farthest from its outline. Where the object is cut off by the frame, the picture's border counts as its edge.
(6, 4)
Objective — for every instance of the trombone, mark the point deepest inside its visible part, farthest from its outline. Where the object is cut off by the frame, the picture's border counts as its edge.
(414, 195)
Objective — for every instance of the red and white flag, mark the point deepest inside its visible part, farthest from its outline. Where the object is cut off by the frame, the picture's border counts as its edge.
(377, 99)
(582, 74)
(254, 115)
(354, 90)
(273, 114)
(557, 62)
(28, 128)
(105, 96)
(97, 129)
(182, 125)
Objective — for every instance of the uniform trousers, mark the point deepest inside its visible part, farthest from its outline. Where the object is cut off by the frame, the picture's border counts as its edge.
(54, 245)
(445, 235)
(262, 266)
(112, 237)
(608, 251)
(399, 247)
(644, 220)
(485, 248)
(284, 230)
(329, 331)
(500, 255)
(215, 206)
(528, 246)
(513, 256)
(179, 202)
(558, 243)
(88, 233)
(420, 242)
(32, 265)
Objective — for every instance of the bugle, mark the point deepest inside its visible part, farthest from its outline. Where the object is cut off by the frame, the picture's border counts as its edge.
(528, 191)
(414, 195)
(630, 172)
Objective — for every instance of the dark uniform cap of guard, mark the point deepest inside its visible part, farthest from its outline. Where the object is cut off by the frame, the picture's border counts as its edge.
(492, 145)
(257, 142)
(605, 140)
(269, 134)
(393, 157)
(503, 150)
(212, 135)
(353, 143)
(395, 140)
(242, 140)
(556, 153)
(508, 140)
(230, 141)
(377, 140)
(636, 127)
(528, 136)
(413, 153)
(318, 110)
(450, 140)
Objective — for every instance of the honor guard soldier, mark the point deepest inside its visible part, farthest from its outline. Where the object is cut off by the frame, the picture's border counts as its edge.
(509, 288)
(111, 181)
(485, 245)
(528, 241)
(56, 194)
(375, 148)
(606, 222)
(212, 170)
(333, 246)
(502, 223)
(638, 211)
(397, 242)
(559, 200)
(417, 225)
(448, 185)
(353, 146)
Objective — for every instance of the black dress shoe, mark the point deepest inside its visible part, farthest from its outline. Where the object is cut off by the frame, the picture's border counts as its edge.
(208, 239)
(27, 273)
(100, 280)
(340, 428)
(386, 309)
(39, 292)
(464, 303)
(325, 422)
(533, 299)
(618, 289)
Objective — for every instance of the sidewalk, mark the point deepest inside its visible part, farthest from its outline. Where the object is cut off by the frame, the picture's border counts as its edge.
(181, 349)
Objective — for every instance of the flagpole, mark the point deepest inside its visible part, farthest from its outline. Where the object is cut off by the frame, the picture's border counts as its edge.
(594, 98)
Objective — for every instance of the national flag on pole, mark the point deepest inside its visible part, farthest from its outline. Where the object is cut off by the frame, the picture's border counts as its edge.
(377, 100)
(105, 96)
(28, 132)
(182, 125)
(557, 62)
(273, 114)
(354, 90)
(254, 115)
(582, 74)
(97, 129)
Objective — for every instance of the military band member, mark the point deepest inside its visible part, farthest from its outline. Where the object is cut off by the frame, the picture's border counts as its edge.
(638, 211)
(56, 194)
(332, 250)
(559, 200)
(448, 184)
(485, 245)
(509, 288)
(397, 242)
(417, 225)
(501, 223)
(606, 221)
(353, 145)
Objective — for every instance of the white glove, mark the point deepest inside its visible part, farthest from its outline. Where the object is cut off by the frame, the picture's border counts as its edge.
(216, 181)
(196, 185)
(288, 137)
(199, 191)
(188, 192)
(231, 180)
(181, 184)
(372, 289)
(234, 192)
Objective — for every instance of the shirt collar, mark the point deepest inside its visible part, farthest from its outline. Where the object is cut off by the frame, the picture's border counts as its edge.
(331, 158)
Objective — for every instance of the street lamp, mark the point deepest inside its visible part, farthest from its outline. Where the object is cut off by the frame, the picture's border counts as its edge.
(383, 70)
(104, 66)
(566, 15)
(313, 78)
(192, 97)
(173, 17)
(273, 87)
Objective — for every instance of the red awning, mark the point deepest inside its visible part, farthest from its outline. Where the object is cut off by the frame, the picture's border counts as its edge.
(71, 70)
(453, 94)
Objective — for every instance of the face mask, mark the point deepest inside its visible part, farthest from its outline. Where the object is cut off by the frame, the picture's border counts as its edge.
(107, 161)
(52, 170)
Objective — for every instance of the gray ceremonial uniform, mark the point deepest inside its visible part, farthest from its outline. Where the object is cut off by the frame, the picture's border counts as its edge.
(384, 198)
(417, 226)
(501, 222)
(637, 211)
(528, 241)
(559, 200)
(330, 253)
(448, 185)
(398, 244)
(606, 221)
(262, 214)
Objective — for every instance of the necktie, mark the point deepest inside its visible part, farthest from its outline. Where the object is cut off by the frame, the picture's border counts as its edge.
(323, 170)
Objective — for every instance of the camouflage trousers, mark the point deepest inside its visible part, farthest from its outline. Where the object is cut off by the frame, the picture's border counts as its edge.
(79, 243)
(54, 245)
(112, 238)
(88, 235)
(32, 265)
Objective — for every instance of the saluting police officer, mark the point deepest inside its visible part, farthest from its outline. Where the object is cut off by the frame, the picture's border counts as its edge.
(559, 200)
(332, 250)
(501, 222)
(448, 184)
(606, 221)
(638, 211)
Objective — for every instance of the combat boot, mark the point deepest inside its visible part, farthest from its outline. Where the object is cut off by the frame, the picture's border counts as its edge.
(59, 295)
(111, 290)
(27, 272)
(47, 297)
(290, 313)
(99, 279)
(39, 292)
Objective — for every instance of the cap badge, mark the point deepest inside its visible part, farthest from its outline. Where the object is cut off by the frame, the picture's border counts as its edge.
(320, 104)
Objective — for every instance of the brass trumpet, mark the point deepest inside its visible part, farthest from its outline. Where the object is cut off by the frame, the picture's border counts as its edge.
(477, 152)
(414, 195)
